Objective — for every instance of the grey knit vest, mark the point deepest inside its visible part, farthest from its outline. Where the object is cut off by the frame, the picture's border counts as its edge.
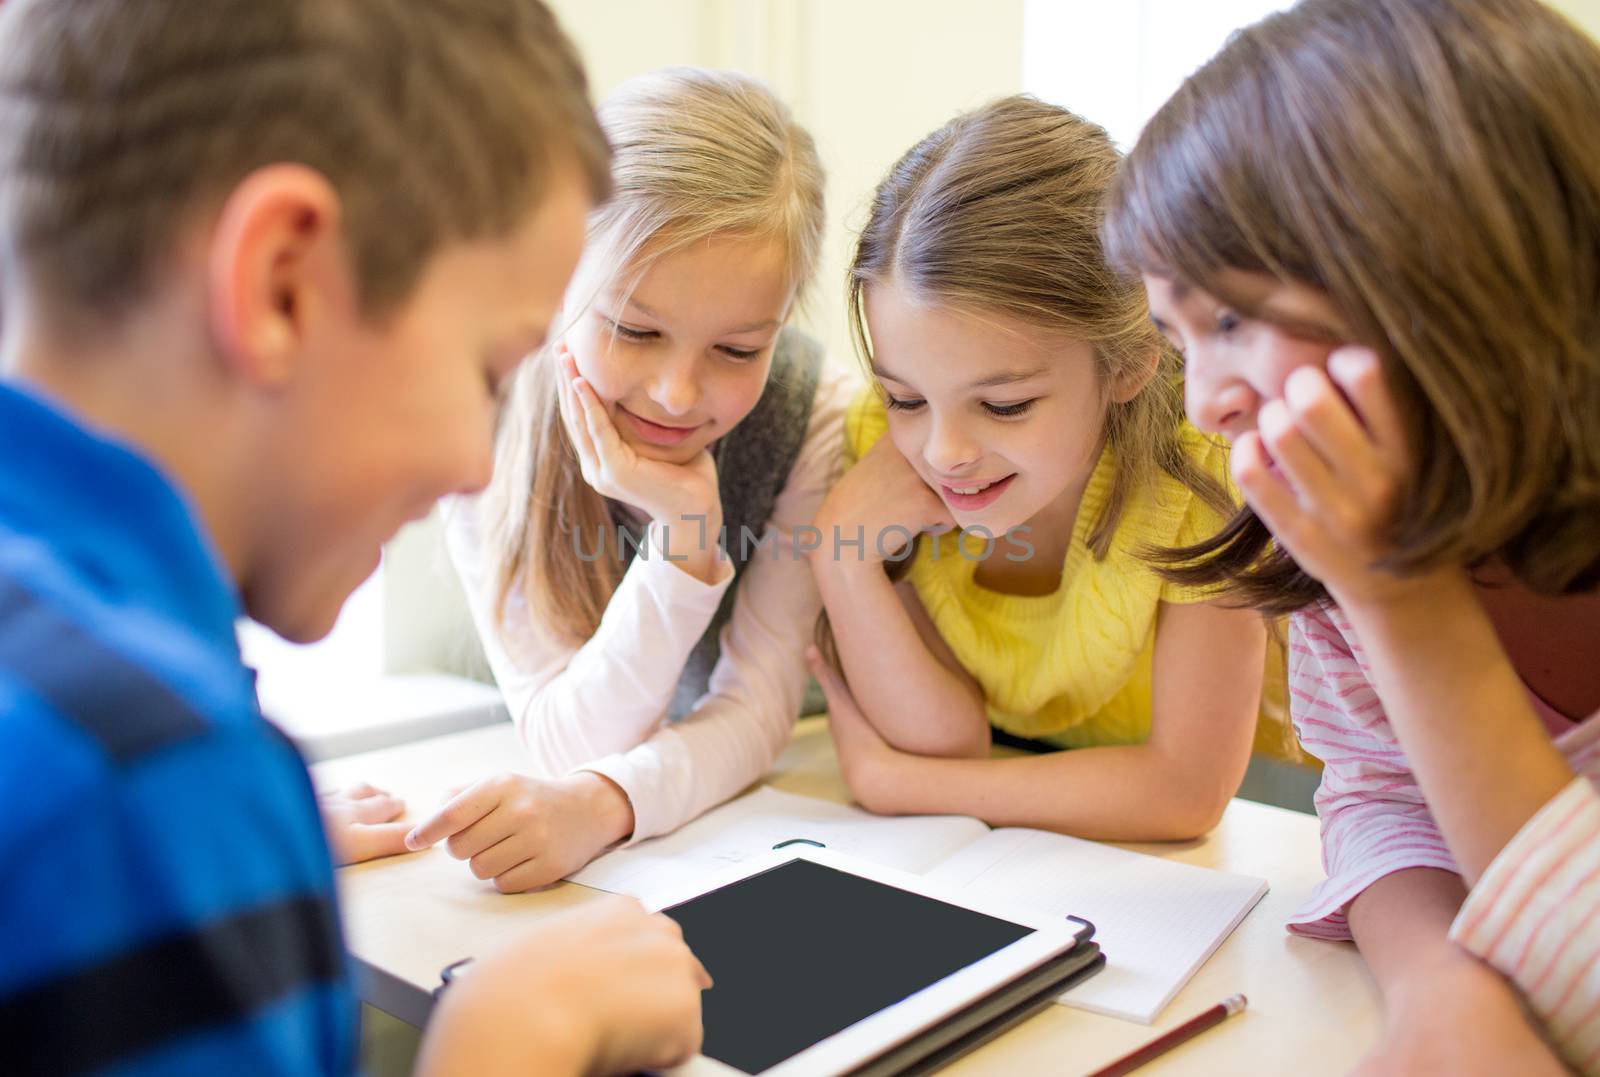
(753, 463)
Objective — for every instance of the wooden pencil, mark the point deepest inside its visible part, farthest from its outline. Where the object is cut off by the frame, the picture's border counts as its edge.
(1173, 1037)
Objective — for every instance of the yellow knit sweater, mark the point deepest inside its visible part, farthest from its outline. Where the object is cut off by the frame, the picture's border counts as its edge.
(1073, 667)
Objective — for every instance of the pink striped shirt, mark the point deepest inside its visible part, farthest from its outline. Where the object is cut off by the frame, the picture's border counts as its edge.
(1535, 913)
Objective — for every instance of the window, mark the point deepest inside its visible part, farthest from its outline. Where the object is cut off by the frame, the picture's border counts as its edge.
(1115, 63)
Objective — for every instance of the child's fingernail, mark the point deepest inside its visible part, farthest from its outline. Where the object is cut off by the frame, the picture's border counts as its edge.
(1350, 361)
(1304, 384)
(413, 841)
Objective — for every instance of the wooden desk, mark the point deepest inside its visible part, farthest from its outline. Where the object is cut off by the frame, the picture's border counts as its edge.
(1314, 1008)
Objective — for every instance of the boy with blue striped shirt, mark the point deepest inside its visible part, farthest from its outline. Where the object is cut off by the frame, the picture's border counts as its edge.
(265, 264)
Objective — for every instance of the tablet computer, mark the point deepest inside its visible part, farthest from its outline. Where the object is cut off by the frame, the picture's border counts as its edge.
(823, 963)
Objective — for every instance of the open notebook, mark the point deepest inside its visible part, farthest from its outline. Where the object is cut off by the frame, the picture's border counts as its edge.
(1156, 920)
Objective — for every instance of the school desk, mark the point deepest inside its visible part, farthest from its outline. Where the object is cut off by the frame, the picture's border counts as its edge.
(1314, 1008)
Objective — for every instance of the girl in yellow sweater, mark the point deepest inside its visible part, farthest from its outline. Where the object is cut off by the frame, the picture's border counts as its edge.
(1036, 453)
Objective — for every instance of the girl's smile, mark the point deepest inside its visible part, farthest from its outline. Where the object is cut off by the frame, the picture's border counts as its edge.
(679, 359)
(658, 433)
(1002, 420)
(974, 496)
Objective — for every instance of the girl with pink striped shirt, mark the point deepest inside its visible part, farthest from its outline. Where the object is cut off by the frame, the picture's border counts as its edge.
(1374, 230)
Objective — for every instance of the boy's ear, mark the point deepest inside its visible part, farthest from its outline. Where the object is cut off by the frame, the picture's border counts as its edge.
(274, 257)
(1133, 380)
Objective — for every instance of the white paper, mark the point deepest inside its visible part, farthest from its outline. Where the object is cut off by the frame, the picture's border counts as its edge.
(757, 821)
(1157, 920)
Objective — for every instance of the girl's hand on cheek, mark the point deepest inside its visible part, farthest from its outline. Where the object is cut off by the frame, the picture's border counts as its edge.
(663, 491)
(884, 500)
(1324, 471)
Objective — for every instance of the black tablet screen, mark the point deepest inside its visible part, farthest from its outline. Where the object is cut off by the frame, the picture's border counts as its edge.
(802, 951)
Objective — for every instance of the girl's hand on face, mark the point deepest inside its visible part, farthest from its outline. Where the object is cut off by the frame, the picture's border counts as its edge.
(664, 492)
(887, 500)
(871, 767)
(1324, 470)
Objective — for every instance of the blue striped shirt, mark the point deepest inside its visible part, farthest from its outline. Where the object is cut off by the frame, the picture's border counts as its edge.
(166, 901)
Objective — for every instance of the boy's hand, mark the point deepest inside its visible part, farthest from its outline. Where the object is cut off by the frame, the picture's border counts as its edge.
(1458, 1017)
(665, 492)
(360, 822)
(524, 832)
(884, 497)
(872, 767)
(604, 988)
(1324, 471)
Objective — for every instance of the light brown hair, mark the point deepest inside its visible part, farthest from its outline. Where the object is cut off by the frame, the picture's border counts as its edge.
(1433, 167)
(698, 154)
(1000, 211)
(122, 122)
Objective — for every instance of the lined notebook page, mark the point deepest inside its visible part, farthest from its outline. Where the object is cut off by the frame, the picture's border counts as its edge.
(1156, 920)
(753, 823)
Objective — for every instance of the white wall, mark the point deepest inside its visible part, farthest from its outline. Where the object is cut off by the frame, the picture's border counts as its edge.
(1586, 13)
(1117, 63)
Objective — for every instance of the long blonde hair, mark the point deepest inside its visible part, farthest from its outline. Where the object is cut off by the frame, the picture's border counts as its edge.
(696, 154)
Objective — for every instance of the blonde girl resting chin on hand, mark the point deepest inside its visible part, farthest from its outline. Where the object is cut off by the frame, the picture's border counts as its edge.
(1024, 395)
(652, 673)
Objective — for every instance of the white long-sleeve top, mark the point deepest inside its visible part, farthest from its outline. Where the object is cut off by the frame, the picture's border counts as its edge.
(602, 706)
(1534, 914)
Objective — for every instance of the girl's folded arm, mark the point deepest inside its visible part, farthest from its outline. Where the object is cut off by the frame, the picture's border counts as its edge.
(1175, 786)
(1534, 916)
(902, 674)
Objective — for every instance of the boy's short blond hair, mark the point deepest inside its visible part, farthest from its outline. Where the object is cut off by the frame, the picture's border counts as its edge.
(123, 121)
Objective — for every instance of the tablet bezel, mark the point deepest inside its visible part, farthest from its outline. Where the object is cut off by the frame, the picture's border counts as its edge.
(859, 1043)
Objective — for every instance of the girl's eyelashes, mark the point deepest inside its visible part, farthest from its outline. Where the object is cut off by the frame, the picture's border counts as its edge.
(640, 336)
(627, 332)
(895, 403)
(1010, 411)
(999, 411)
(1228, 321)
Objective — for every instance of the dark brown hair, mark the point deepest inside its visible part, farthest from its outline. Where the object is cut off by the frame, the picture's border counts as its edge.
(1433, 167)
(120, 122)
